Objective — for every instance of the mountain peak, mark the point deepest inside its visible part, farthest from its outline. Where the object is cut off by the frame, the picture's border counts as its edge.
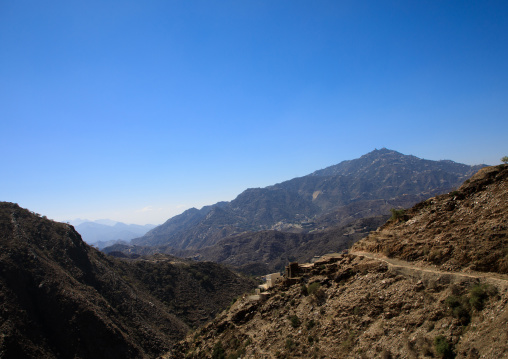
(381, 175)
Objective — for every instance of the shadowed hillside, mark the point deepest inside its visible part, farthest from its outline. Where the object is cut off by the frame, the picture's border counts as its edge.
(62, 298)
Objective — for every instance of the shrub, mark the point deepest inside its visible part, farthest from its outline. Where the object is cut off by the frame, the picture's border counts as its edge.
(311, 324)
(313, 287)
(459, 308)
(290, 344)
(397, 214)
(479, 293)
(218, 351)
(237, 354)
(295, 321)
(348, 344)
(442, 347)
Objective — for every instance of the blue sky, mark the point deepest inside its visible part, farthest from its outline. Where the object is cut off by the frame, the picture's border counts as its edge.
(137, 110)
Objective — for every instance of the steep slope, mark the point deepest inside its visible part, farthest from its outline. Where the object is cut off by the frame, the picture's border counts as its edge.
(367, 305)
(443, 229)
(378, 176)
(62, 298)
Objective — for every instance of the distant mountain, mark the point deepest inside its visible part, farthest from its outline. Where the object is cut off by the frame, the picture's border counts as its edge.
(78, 221)
(108, 231)
(60, 298)
(359, 188)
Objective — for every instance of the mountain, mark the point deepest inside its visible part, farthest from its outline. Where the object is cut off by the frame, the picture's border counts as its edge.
(61, 298)
(110, 231)
(431, 283)
(369, 185)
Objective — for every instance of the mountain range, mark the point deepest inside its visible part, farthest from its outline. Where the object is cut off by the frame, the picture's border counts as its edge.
(265, 228)
(429, 282)
(103, 233)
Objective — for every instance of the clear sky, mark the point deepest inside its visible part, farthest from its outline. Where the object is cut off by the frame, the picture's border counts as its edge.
(138, 110)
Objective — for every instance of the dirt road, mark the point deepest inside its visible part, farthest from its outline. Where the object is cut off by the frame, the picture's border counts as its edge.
(499, 280)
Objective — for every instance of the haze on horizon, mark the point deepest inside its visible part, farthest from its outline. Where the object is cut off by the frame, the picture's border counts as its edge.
(137, 111)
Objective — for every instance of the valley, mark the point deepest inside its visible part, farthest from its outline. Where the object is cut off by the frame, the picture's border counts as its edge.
(426, 281)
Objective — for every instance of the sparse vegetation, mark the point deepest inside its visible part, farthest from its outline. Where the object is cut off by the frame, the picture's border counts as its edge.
(218, 351)
(295, 321)
(397, 214)
(372, 311)
(443, 347)
(461, 306)
(479, 294)
(313, 287)
(504, 159)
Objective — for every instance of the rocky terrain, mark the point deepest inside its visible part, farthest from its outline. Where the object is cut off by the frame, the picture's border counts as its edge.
(60, 298)
(264, 252)
(463, 230)
(258, 253)
(387, 298)
(364, 187)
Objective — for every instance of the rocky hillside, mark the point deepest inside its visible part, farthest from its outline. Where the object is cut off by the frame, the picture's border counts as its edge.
(264, 252)
(301, 204)
(258, 253)
(61, 298)
(445, 229)
(367, 305)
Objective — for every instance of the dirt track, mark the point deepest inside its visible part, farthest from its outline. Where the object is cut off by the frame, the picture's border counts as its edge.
(497, 279)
